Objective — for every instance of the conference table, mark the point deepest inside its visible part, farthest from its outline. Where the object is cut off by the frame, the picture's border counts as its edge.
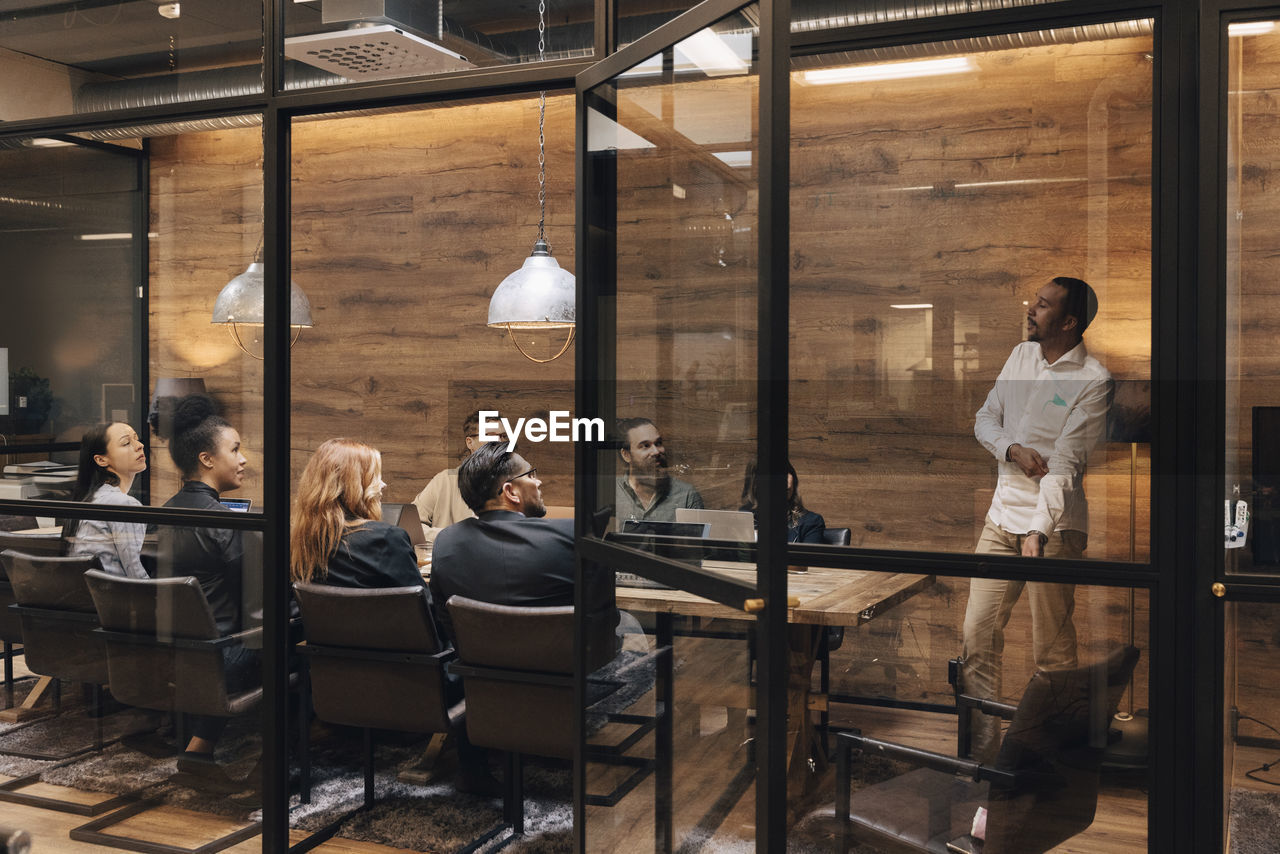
(817, 598)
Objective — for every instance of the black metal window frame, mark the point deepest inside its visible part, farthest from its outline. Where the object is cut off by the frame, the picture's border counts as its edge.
(1181, 559)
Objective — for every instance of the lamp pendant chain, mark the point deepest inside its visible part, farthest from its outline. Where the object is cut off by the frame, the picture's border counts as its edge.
(542, 118)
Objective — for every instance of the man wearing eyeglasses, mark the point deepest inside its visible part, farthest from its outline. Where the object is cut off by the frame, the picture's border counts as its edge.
(508, 554)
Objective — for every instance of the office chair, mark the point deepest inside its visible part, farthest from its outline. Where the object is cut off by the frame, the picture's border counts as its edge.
(516, 665)
(376, 662)
(10, 627)
(1041, 790)
(57, 621)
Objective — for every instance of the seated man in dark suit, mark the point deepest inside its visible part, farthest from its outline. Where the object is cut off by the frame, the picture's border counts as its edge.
(508, 554)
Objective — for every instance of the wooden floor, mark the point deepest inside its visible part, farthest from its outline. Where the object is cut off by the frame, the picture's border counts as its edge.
(714, 793)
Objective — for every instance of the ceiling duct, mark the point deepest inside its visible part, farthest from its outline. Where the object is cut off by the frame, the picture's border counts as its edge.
(198, 86)
(382, 39)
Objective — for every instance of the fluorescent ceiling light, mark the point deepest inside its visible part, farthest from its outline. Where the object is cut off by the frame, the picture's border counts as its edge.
(115, 235)
(1252, 28)
(889, 71)
(913, 305)
(46, 142)
(717, 55)
(736, 159)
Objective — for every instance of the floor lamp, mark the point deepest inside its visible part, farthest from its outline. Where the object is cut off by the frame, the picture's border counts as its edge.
(1130, 424)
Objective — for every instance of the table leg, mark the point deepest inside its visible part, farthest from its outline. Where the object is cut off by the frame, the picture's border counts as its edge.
(802, 655)
(28, 709)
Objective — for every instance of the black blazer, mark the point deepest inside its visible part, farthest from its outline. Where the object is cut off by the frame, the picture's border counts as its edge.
(506, 558)
(215, 556)
(374, 555)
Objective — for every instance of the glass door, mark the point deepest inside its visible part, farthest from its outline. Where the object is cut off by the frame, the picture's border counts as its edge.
(1249, 583)
(670, 159)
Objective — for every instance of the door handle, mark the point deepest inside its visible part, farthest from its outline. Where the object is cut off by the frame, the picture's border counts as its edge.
(1219, 589)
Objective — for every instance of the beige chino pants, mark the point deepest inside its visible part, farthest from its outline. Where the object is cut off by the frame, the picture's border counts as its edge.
(991, 601)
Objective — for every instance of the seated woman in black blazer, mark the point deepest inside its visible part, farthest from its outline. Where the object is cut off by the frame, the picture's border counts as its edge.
(338, 536)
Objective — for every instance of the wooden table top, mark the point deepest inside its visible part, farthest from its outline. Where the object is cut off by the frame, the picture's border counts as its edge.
(823, 596)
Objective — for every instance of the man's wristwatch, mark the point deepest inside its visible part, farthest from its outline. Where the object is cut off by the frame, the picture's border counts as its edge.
(1043, 537)
(1008, 452)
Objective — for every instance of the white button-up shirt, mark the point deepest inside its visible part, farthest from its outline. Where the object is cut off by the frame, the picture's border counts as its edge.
(1060, 410)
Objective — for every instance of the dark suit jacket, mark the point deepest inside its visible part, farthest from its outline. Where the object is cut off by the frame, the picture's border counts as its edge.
(213, 555)
(506, 558)
(374, 555)
(808, 530)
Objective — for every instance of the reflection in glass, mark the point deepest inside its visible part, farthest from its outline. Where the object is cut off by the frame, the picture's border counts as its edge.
(96, 57)
(184, 639)
(935, 192)
(1251, 714)
(678, 132)
(1252, 485)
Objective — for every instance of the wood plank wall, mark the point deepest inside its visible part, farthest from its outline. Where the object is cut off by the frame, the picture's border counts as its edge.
(405, 223)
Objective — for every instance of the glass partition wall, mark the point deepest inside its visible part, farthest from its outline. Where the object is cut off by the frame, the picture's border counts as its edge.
(924, 210)
(1251, 543)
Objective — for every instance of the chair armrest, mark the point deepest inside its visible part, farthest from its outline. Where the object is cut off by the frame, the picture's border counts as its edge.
(987, 707)
(438, 659)
(137, 639)
(923, 758)
(529, 677)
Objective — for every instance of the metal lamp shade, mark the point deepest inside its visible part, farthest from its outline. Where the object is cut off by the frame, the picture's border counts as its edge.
(540, 295)
(241, 301)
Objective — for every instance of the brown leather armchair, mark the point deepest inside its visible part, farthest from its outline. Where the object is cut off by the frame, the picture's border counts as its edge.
(1041, 790)
(10, 626)
(516, 665)
(164, 652)
(58, 623)
(375, 663)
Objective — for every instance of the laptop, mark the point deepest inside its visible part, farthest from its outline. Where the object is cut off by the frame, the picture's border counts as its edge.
(239, 505)
(691, 530)
(736, 525)
(404, 516)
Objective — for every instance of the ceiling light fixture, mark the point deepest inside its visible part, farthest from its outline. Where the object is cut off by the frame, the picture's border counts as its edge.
(1252, 28)
(913, 305)
(541, 295)
(242, 303)
(889, 71)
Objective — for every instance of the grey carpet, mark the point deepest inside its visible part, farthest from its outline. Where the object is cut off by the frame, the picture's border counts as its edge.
(1255, 822)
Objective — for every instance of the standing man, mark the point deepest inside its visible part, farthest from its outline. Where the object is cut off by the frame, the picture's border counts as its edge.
(1045, 414)
(440, 503)
(647, 490)
(508, 554)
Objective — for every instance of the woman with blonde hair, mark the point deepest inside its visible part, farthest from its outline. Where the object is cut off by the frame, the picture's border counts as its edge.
(338, 536)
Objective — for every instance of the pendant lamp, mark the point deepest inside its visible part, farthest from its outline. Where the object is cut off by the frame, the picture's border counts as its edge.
(241, 303)
(541, 295)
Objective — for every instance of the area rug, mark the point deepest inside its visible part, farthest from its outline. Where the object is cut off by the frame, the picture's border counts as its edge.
(1255, 822)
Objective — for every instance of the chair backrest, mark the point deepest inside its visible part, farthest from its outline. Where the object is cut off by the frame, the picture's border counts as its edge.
(157, 639)
(56, 615)
(373, 659)
(33, 544)
(837, 536)
(1055, 744)
(532, 711)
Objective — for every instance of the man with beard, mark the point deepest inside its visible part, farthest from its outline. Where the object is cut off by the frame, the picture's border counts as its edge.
(1044, 415)
(647, 490)
(508, 554)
